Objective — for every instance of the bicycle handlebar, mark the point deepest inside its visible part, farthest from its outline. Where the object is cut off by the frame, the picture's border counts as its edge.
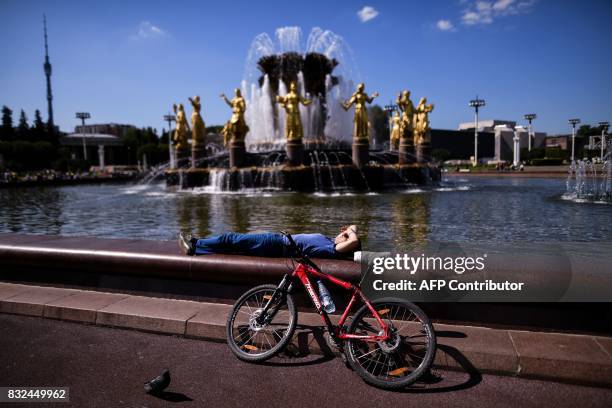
(290, 239)
(297, 252)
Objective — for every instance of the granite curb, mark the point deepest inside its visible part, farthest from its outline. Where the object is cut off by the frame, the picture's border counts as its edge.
(578, 359)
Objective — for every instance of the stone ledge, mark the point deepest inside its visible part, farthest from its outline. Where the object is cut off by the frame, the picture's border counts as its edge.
(564, 357)
(80, 307)
(32, 301)
(149, 314)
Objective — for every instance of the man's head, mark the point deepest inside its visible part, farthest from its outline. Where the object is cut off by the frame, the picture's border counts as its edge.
(346, 232)
(237, 92)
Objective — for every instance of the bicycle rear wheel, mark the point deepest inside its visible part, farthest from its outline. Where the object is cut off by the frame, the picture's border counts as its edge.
(404, 357)
(254, 338)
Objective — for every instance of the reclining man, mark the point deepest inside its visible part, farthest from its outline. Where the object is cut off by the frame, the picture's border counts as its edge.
(274, 244)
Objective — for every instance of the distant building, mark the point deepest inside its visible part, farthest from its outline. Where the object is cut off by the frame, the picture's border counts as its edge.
(559, 141)
(115, 129)
(503, 132)
(504, 141)
(460, 144)
(101, 144)
(487, 125)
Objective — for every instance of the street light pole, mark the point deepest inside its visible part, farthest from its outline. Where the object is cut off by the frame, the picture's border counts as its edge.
(604, 130)
(573, 122)
(530, 117)
(170, 118)
(83, 116)
(476, 104)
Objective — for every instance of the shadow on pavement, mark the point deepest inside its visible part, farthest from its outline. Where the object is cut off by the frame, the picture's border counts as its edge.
(172, 396)
(308, 337)
(474, 377)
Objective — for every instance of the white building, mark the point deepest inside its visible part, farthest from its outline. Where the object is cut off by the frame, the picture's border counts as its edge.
(504, 131)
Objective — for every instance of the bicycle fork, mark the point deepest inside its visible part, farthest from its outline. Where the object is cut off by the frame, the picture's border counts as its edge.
(283, 287)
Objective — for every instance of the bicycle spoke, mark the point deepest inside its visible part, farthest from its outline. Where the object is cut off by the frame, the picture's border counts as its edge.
(255, 334)
(395, 359)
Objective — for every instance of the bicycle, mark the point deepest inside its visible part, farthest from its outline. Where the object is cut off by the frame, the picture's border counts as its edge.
(389, 343)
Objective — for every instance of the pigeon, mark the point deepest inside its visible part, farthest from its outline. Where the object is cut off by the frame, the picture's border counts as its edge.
(158, 384)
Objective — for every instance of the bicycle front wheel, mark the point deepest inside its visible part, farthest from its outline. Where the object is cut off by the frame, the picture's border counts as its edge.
(253, 337)
(404, 357)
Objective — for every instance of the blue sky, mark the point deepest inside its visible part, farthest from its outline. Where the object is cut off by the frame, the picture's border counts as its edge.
(127, 62)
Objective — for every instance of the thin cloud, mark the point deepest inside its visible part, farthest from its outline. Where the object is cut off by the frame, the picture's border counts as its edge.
(148, 30)
(445, 25)
(367, 13)
(485, 12)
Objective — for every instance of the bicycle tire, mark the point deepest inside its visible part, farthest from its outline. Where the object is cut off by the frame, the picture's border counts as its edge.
(249, 350)
(402, 376)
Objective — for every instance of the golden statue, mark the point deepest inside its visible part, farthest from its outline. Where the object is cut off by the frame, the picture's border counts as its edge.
(396, 129)
(236, 128)
(181, 130)
(198, 131)
(407, 108)
(361, 130)
(422, 129)
(291, 103)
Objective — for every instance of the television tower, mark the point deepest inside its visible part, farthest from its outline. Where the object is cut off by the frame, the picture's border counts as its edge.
(47, 67)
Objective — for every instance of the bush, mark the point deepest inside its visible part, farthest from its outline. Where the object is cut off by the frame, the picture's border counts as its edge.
(441, 155)
(556, 153)
(155, 153)
(547, 162)
(535, 153)
(29, 155)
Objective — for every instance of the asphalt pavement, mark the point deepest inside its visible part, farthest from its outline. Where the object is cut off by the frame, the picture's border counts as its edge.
(107, 367)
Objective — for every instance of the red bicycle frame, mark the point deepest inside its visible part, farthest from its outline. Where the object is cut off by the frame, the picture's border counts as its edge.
(303, 271)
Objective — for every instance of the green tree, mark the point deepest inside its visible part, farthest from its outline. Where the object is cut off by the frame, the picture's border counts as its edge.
(149, 136)
(23, 129)
(585, 130)
(380, 124)
(214, 129)
(6, 130)
(164, 137)
(38, 127)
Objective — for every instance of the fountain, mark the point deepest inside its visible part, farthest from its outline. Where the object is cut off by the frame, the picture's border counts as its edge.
(299, 124)
(585, 184)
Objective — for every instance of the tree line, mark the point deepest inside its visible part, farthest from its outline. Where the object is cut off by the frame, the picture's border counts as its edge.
(32, 145)
(27, 146)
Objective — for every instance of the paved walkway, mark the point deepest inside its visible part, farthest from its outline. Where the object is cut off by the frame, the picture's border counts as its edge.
(106, 367)
(560, 357)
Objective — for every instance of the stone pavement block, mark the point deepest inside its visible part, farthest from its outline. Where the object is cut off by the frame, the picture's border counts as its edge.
(605, 343)
(487, 350)
(32, 301)
(209, 323)
(150, 314)
(82, 306)
(8, 290)
(563, 357)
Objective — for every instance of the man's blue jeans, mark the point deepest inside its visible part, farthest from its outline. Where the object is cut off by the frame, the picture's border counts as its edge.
(261, 244)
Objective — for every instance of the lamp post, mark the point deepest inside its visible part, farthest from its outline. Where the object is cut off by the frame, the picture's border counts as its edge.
(604, 131)
(83, 116)
(529, 118)
(573, 122)
(170, 118)
(390, 108)
(476, 104)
